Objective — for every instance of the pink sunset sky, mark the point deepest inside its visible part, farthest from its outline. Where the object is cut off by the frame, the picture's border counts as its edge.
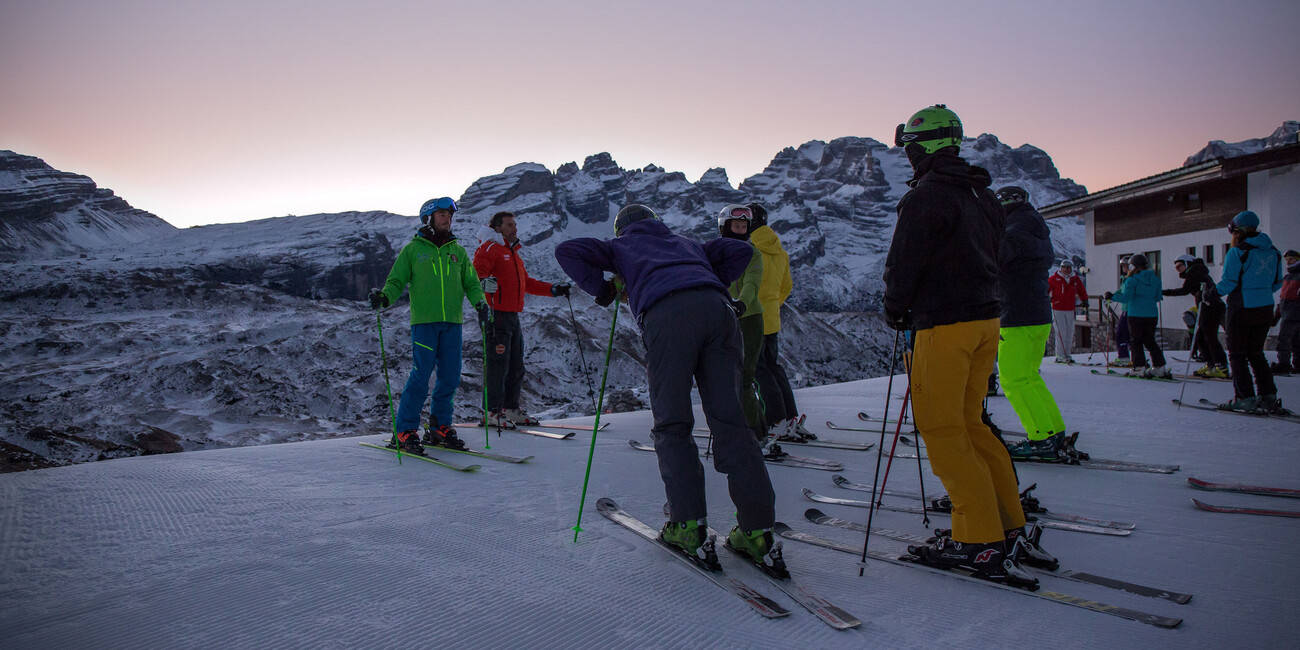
(205, 112)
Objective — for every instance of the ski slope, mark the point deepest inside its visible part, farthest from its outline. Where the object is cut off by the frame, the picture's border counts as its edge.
(328, 544)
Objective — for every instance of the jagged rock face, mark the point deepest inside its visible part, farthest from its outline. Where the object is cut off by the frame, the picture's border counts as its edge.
(1288, 133)
(45, 212)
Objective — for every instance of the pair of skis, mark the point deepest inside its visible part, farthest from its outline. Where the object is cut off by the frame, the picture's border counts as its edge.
(823, 609)
(1206, 405)
(1244, 489)
(1112, 373)
(448, 464)
(1029, 503)
(788, 460)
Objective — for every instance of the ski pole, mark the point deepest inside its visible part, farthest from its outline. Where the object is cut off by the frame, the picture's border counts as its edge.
(582, 356)
(880, 496)
(487, 433)
(577, 528)
(1196, 330)
(920, 474)
(889, 391)
(383, 356)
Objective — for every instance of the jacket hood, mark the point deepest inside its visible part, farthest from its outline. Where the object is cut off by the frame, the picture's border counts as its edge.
(1260, 241)
(1145, 277)
(765, 240)
(486, 234)
(948, 167)
(1025, 216)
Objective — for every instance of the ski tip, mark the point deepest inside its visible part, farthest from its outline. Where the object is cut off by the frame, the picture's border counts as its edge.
(812, 514)
(839, 480)
(606, 504)
(807, 492)
(780, 527)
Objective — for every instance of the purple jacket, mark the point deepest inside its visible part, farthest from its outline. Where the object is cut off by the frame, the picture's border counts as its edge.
(653, 262)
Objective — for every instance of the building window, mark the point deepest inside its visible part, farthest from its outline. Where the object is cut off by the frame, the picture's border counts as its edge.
(1209, 254)
(1153, 261)
(1192, 202)
(1191, 250)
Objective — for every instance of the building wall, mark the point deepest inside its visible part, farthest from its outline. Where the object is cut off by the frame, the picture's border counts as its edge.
(1274, 195)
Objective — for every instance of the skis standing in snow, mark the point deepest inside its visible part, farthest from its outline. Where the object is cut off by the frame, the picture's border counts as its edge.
(1067, 292)
(734, 223)
(1209, 314)
(678, 290)
(1252, 273)
(440, 276)
(1288, 312)
(1026, 322)
(952, 220)
(1140, 294)
(778, 398)
(505, 281)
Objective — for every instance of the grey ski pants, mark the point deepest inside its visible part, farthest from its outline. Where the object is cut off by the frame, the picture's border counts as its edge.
(689, 335)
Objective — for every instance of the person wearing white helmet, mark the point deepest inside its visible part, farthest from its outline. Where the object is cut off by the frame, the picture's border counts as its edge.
(1067, 292)
(1209, 313)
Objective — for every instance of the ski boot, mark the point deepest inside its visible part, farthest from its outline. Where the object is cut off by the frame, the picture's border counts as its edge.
(1278, 368)
(1203, 371)
(692, 538)
(1269, 404)
(799, 430)
(1122, 362)
(1048, 449)
(986, 561)
(1243, 404)
(1159, 372)
(521, 418)
(1025, 549)
(1138, 371)
(1030, 503)
(1218, 372)
(758, 546)
(499, 420)
(408, 441)
(443, 436)
(1068, 449)
(773, 451)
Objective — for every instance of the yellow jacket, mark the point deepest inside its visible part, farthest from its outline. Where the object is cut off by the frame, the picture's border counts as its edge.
(776, 285)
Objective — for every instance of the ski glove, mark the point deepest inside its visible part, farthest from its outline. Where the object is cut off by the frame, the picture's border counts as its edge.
(484, 314)
(560, 289)
(899, 321)
(377, 299)
(1108, 295)
(738, 306)
(489, 284)
(607, 293)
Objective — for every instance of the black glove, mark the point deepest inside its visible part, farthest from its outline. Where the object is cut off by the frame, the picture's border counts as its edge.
(607, 294)
(1108, 295)
(1167, 292)
(484, 314)
(738, 306)
(560, 289)
(377, 299)
(899, 321)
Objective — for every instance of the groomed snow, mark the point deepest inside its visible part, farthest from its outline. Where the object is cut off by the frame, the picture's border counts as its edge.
(327, 544)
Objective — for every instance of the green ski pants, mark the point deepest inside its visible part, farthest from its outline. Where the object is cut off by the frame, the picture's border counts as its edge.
(1020, 352)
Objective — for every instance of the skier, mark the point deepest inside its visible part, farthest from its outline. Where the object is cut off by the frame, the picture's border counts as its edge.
(505, 281)
(1209, 313)
(1122, 356)
(678, 290)
(1140, 293)
(733, 222)
(1027, 315)
(1067, 293)
(951, 220)
(439, 273)
(1252, 273)
(778, 398)
(1288, 313)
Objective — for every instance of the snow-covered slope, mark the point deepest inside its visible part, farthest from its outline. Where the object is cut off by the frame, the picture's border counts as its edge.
(330, 544)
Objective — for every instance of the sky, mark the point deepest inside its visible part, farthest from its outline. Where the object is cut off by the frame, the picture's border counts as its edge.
(210, 112)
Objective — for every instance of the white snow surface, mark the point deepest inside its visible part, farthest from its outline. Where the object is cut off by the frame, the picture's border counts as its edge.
(327, 544)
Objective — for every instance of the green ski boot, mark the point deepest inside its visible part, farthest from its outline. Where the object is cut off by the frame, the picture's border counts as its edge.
(758, 547)
(693, 540)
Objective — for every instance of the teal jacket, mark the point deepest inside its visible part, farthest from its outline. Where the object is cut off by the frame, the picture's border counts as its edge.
(1252, 273)
(1140, 293)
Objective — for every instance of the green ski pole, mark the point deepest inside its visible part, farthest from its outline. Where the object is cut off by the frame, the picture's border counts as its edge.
(487, 435)
(392, 415)
(577, 528)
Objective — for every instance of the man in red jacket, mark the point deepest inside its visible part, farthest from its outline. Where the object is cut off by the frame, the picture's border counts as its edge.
(505, 281)
(1067, 292)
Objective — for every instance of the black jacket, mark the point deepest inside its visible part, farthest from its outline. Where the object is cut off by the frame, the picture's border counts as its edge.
(943, 261)
(1193, 277)
(1026, 262)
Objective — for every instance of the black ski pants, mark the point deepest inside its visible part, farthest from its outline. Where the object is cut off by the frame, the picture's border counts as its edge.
(1142, 338)
(1247, 331)
(1207, 336)
(778, 397)
(505, 361)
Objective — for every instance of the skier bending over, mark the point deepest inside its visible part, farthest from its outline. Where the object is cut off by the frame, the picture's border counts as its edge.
(440, 275)
(941, 280)
(678, 290)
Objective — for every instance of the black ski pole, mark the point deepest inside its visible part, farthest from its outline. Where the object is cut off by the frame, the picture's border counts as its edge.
(392, 415)
(582, 356)
(889, 391)
(920, 475)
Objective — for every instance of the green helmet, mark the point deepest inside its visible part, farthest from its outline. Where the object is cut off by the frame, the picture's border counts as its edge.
(932, 128)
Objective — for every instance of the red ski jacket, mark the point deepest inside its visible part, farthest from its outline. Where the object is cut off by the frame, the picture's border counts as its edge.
(502, 262)
(1064, 292)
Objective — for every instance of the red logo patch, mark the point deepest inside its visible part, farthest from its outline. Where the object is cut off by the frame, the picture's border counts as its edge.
(501, 348)
(985, 556)
(918, 121)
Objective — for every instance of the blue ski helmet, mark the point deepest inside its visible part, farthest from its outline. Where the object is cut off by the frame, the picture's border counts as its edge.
(433, 205)
(1245, 220)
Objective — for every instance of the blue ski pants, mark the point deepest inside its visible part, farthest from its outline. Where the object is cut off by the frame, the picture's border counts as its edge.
(433, 345)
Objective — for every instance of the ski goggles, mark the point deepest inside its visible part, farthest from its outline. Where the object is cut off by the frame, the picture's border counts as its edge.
(742, 213)
(941, 133)
(444, 203)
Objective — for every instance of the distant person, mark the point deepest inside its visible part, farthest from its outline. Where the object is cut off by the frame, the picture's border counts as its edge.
(1141, 296)
(439, 273)
(1252, 273)
(1288, 314)
(505, 281)
(778, 397)
(733, 223)
(1123, 358)
(677, 288)
(1067, 293)
(1027, 314)
(951, 220)
(1208, 315)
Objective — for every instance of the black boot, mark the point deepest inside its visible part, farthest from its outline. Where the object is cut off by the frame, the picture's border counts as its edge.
(986, 561)
(1025, 549)
(443, 436)
(408, 441)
